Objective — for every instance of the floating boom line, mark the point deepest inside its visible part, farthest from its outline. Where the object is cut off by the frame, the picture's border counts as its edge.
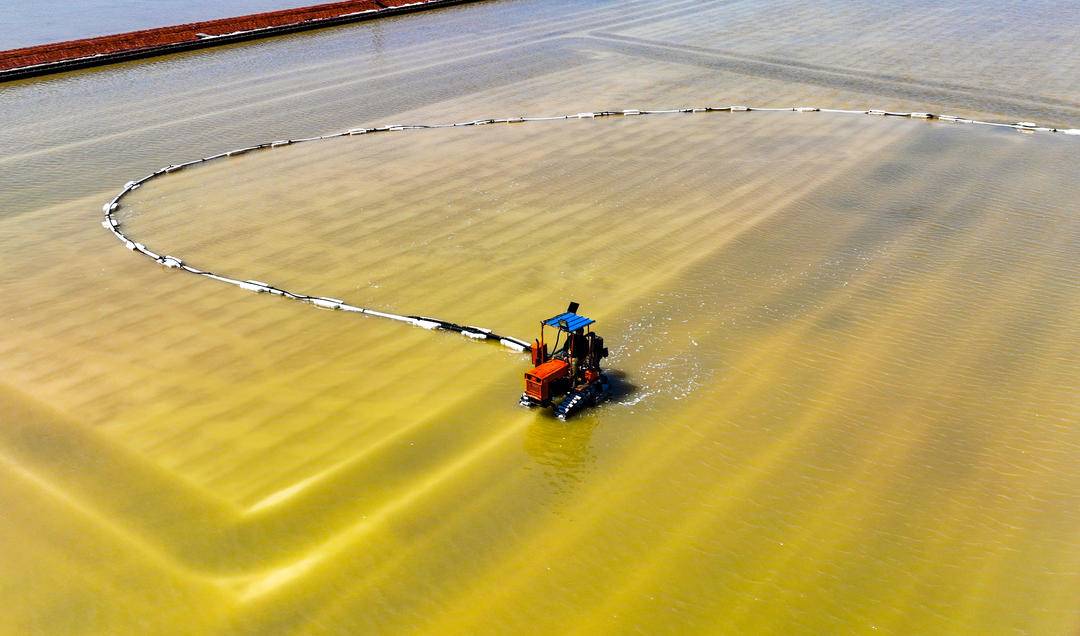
(113, 225)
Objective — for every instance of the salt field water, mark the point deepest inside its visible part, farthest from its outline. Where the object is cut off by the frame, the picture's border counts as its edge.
(846, 347)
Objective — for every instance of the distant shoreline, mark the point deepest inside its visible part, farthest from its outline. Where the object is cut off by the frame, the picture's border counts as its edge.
(59, 57)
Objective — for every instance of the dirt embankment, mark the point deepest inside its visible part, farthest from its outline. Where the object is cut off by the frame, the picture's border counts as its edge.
(62, 56)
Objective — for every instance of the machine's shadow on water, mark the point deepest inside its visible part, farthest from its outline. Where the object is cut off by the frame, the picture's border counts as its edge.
(563, 449)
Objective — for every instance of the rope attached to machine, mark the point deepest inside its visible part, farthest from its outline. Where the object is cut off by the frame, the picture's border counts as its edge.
(113, 225)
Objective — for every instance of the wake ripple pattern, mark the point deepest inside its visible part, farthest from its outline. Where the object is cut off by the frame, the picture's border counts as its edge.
(112, 224)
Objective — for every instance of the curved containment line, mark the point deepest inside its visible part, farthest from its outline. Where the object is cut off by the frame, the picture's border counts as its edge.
(111, 224)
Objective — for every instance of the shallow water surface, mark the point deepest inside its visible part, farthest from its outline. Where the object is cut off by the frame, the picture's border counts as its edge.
(845, 347)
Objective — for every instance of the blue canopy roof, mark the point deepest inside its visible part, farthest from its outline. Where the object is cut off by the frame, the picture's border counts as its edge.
(569, 321)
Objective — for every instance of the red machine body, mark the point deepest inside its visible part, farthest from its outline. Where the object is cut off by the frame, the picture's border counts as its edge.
(539, 381)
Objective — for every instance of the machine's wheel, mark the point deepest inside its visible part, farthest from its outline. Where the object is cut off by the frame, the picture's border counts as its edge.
(578, 400)
(605, 389)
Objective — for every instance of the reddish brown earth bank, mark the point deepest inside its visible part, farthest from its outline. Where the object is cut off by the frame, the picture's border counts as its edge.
(63, 56)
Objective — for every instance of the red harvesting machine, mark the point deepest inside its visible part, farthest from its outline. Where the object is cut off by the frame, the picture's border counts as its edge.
(571, 371)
